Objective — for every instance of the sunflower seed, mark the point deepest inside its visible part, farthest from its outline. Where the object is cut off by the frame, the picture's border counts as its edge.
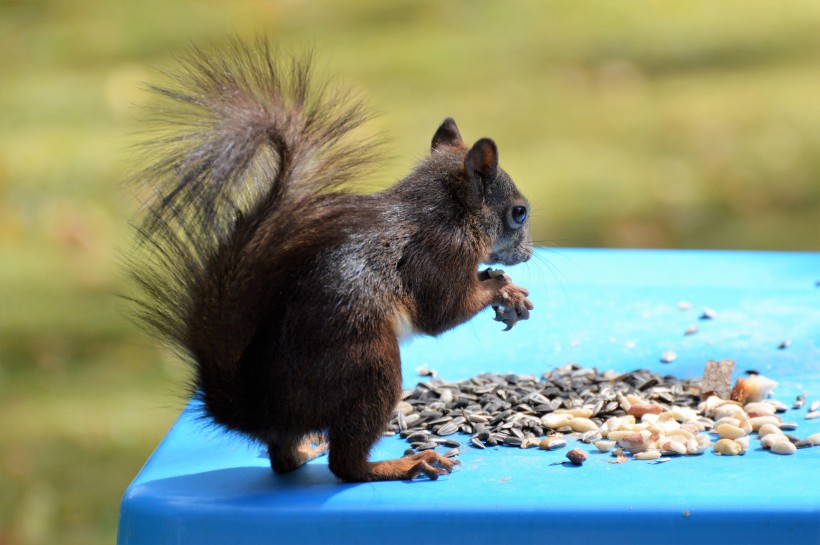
(447, 429)
(513, 441)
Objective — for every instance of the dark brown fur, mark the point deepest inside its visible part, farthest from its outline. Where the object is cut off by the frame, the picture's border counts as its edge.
(287, 293)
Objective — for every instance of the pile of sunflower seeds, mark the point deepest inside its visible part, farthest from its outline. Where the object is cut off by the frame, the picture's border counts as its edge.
(644, 413)
(514, 409)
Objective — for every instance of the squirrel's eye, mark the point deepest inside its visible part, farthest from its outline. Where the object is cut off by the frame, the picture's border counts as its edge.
(519, 214)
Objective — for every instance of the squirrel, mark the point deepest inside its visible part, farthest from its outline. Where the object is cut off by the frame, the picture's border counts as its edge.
(288, 292)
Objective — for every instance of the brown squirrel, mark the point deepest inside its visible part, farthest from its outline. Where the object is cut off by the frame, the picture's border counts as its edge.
(287, 293)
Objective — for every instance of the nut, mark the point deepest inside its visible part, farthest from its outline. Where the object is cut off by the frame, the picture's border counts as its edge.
(767, 429)
(783, 446)
(728, 447)
(604, 446)
(577, 456)
(728, 431)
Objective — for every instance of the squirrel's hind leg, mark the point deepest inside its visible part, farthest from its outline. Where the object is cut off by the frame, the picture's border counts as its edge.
(365, 416)
(288, 452)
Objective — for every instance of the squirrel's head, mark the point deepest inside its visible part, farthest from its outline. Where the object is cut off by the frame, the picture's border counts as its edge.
(490, 195)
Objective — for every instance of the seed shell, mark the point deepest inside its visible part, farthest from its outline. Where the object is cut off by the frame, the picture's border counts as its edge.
(669, 356)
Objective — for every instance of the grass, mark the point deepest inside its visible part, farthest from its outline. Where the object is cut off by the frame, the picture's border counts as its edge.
(686, 124)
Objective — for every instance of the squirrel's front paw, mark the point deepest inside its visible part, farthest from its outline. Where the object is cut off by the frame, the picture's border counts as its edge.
(512, 304)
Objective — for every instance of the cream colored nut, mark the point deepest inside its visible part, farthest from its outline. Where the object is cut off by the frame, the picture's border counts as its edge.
(768, 440)
(693, 447)
(743, 442)
(666, 416)
(682, 434)
(632, 398)
(667, 427)
(727, 420)
(604, 446)
(814, 439)
(577, 412)
(728, 409)
(613, 423)
(649, 418)
(745, 424)
(767, 429)
(783, 446)
(728, 431)
(693, 427)
(552, 443)
(760, 420)
(684, 414)
(618, 434)
(760, 407)
(635, 441)
(647, 455)
(582, 424)
(728, 447)
(698, 445)
(555, 421)
(673, 446)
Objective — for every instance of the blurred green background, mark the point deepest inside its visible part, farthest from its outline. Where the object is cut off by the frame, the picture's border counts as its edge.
(628, 124)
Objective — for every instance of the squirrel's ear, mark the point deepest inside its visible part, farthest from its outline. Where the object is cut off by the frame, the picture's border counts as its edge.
(482, 159)
(447, 135)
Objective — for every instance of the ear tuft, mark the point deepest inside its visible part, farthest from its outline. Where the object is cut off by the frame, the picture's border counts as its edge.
(447, 135)
(482, 159)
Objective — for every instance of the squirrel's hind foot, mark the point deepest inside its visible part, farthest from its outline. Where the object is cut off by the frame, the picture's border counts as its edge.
(287, 453)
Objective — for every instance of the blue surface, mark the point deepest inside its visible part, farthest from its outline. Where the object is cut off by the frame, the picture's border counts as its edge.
(605, 309)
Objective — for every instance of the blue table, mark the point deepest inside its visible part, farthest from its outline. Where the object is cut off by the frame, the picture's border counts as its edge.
(605, 309)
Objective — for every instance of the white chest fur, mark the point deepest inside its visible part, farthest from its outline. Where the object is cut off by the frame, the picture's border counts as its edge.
(403, 326)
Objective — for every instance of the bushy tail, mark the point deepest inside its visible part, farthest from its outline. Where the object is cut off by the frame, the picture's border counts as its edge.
(243, 151)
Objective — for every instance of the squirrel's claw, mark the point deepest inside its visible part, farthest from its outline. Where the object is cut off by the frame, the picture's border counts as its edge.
(492, 274)
(511, 315)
